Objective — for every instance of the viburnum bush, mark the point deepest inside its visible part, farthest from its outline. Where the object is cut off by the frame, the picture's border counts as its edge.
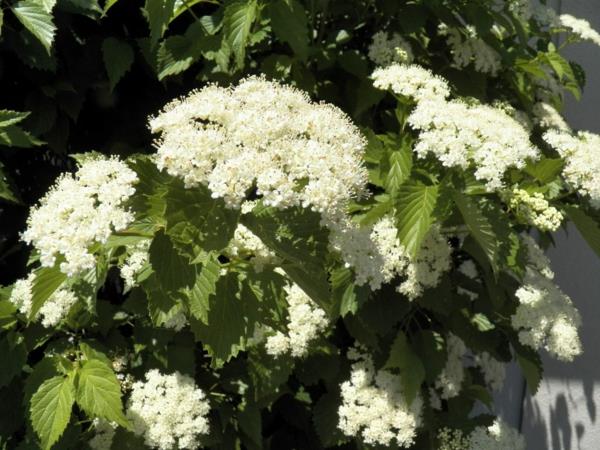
(333, 238)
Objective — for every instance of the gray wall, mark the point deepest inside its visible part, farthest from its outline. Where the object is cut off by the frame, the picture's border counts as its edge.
(564, 413)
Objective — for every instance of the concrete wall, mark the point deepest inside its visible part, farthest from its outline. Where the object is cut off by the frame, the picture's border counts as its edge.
(564, 413)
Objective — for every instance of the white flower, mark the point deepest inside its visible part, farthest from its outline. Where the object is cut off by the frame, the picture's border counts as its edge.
(527, 10)
(377, 256)
(449, 382)
(80, 210)
(263, 135)
(581, 153)
(470, 48)
(498, 436)
(452, 439)
(411, 81)
(54, 309)
(373, 406)
(385, 50)
(105, 432)
(134, 263)
(536, 258)
(169, 411)
(478, 136)
(546, 317)
(546, 116)
(469, 269)
(535, 210)
(580, 27)
(246, 244)
(306, 321)
(57, 307)
(494, 371)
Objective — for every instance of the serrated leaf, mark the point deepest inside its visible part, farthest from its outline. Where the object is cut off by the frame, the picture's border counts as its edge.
(204, 286)
(99, 392)
(8, 117)
(348, 297)
(400, 162)
(482, 322)
(431, 347)
(414, 212)
(13, 136)
(37, 20)
(290, 24)
(118, 58)
(412, 372)
(47, 281)
(173, 272)
(7, 190)
(480, 228)
(226, 330)
(51, 409)
(194, 217)
(587, 226)
(545, 170)
(238, 19)
(158, 14)
(297, 237)
(326, 418)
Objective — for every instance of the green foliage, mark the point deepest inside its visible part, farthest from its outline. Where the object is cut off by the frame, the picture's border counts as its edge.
(84, 76)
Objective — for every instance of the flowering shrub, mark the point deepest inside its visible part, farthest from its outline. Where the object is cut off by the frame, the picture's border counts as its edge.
(336, 240)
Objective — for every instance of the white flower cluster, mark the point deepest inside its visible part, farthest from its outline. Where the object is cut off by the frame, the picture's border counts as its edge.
(470, 48)
(546, 116)
(463, 135)
(104, 434)
(581, 153)
(264, 135)
(80, 210)
(54, 309)
(373, 406)
(536, 258)
(411, 81)
(546, 317)
(580, 27)
(449, 382)
(498, 436)
(134, 263)
(535, 210)
(245, 244)
(494, 371)
(306, 321)
(385, 50)
(377, 256)
(169, 411)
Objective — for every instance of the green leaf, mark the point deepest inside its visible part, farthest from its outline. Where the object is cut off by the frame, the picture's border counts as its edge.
(290, 24)
(348, 297)
(109, 4)
(204, 286)
(482, 322)
(587, 226)
(237, 23)
(47, 281)
(545, 170)
(158, 14)
(531, 365)
(326, 418)
(51, 409)
(173, 272)
(8, 317)
(480, 227)
(99, 392)
(37, 20)
(13, 136)
(400, 162)
(118, 58)
(7, 189)
(414, 209)
(13, 347)
(8, 117)
(431, 347)
(412, 372)
(297, 237)
(226, 330)
(194, 217)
